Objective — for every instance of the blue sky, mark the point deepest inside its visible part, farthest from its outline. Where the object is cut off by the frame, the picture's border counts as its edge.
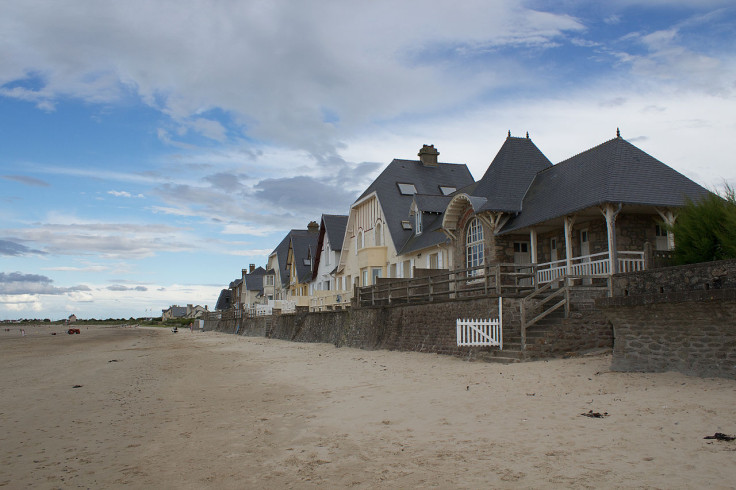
(151, 150)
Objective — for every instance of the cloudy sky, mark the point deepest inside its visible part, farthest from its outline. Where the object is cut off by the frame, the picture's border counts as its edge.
(151, 150)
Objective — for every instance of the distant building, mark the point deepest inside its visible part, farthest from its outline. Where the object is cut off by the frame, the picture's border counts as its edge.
(188, 311)
(72, 318)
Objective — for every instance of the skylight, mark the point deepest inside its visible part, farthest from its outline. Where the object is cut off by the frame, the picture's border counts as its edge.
(406, 225)
(407, 189)
(447, 190)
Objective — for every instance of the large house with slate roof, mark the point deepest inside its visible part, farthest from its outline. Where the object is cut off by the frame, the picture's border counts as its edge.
(588, 215)
(392, 227)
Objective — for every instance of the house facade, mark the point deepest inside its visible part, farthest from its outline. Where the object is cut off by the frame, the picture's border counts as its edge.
(382, 237)
(589, 215)
(299, 257)
(324, 293)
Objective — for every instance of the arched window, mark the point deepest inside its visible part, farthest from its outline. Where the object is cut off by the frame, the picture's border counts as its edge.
(474, 256)
(378, 234)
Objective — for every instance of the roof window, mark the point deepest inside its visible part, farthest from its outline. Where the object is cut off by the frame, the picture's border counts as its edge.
(406, 224)
(407, 189)
(447, 189)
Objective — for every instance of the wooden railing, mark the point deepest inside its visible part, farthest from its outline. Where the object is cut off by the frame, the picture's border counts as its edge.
(593, 265)
(497, 280)
(534, 304)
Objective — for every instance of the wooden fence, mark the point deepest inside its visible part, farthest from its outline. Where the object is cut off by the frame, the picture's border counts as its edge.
(496, 280)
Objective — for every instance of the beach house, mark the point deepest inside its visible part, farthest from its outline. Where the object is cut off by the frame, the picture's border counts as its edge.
(590, 215)
(382, 237)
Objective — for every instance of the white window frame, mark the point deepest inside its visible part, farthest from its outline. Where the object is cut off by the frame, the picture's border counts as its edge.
(474, 246)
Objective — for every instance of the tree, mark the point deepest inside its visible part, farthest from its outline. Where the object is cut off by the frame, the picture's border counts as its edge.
(706, 230)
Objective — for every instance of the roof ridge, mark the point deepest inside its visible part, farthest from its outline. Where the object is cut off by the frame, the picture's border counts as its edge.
(589, 149)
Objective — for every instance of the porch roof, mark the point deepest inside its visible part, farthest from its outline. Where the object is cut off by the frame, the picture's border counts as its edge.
(614, 172)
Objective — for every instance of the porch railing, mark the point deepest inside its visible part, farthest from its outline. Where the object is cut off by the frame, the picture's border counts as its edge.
(593, 265)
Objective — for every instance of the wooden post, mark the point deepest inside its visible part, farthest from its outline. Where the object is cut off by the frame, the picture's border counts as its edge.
(569, 222)
(610, 214)
(498, 279)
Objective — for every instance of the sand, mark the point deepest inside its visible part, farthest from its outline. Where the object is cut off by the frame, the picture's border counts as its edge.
(155, 409)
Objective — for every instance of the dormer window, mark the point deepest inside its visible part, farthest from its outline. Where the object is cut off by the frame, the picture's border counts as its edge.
(446, 190)
(406, 224)
(407, 189)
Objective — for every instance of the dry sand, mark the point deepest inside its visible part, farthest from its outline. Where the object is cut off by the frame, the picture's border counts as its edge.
(198, 410)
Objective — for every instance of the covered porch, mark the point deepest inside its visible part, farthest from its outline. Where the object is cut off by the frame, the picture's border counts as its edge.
(596, 242)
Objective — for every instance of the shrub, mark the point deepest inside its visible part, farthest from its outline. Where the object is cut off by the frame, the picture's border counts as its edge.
(706, 230)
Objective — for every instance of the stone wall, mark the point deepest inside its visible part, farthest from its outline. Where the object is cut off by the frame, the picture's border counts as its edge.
(694, 277)
(428, 327)
(431, 327)
(676, 318)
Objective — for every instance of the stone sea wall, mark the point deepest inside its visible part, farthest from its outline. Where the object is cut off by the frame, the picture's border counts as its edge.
(675, 318)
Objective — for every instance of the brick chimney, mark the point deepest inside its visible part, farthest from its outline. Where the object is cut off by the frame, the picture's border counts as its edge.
(252, 267)
(313, 227)
(428, 156)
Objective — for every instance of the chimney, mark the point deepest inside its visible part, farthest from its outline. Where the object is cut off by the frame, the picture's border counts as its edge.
(428, 155)
(313, 227)
(252, 267)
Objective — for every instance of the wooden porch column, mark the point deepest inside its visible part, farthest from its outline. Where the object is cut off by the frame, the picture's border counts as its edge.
(610, 213)
(533, 244)
(669, 219)
(569, 222)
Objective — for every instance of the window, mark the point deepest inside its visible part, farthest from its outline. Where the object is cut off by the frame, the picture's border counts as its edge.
(407, 189)
(418, 223)
(327, 255)
(662, 241)
(406, 224)
(521, 247)
(446, 190)
(269, 280)
(361, 243)
(434, 261)
(365, 277)
(474, 252)
(376, 273)
(378, 234)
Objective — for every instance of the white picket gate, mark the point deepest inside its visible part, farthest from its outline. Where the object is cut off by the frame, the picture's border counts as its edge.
(481, 332)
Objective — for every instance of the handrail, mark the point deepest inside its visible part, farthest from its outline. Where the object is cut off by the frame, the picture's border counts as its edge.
(525, 302)
(485, 279)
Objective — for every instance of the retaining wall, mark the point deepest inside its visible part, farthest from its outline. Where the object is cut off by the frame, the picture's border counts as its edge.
(675, 318)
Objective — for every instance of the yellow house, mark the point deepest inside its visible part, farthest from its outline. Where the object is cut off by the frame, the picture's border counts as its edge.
(382, 237)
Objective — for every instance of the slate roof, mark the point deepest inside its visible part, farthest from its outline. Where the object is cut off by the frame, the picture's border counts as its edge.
(178, 311)
(508, 176)
(224, 300)
(281, 251)
(304, 244)
(613, 172)
(431, 234)
(254, 280)
(333, 226)
(426, 179)
(335, 229)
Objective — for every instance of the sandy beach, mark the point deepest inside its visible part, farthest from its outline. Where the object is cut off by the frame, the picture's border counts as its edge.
(145, 408)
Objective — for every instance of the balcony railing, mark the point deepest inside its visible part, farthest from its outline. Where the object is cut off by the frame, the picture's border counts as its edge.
(594, 265)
